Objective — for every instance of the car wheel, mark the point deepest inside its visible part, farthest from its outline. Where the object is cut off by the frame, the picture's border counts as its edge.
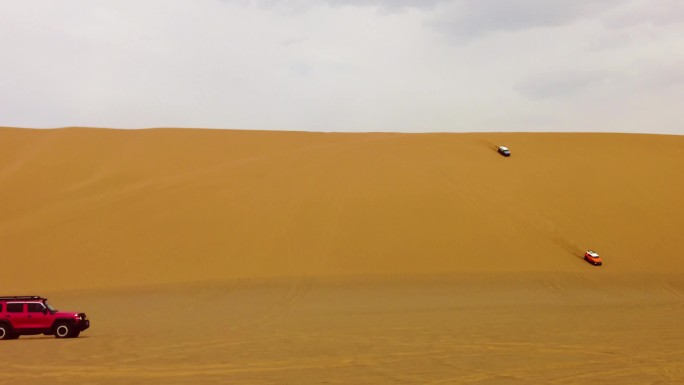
(5, 332)
(63, 330)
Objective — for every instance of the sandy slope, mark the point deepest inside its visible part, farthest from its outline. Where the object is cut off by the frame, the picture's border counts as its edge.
(112, 208)
(279, 257)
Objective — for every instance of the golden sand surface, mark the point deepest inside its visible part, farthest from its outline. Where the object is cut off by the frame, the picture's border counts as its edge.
(254, 257)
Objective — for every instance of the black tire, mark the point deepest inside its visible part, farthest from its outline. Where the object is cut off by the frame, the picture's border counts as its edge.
(64, 330)
(6, 333)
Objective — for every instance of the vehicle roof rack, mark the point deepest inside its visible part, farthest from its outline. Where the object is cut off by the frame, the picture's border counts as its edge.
(19, 297)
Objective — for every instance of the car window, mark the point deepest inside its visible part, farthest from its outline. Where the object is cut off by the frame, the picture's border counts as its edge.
(35, 307)
(0, 308)
(15, 307)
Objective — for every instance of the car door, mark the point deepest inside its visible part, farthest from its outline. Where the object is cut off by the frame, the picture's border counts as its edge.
(37, 317)
(17, 315)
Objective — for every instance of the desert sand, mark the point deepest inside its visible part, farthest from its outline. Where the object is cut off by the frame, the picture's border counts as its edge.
(256, 257)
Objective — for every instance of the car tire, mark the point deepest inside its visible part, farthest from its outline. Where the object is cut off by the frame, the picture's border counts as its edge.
(64, 330)
(5, 332)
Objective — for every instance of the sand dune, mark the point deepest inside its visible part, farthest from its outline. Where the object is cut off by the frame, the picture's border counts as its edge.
(346, 258)
(161, 206)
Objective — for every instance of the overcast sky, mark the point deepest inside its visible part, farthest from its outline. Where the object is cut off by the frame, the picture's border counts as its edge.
(345, 65)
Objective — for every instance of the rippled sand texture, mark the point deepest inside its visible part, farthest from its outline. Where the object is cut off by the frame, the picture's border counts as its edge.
(307, 258)
(519, 329)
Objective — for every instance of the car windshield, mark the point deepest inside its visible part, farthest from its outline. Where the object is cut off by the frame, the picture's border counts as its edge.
(50, 307)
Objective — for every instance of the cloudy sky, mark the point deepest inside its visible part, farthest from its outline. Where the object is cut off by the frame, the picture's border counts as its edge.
(345, 65)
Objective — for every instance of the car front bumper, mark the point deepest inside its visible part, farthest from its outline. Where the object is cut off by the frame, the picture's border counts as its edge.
(83, 325)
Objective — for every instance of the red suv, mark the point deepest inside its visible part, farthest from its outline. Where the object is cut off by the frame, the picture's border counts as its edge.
(34, 315)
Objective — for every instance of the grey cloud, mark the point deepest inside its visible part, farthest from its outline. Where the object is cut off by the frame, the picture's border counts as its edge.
(467, 19)
(473, 18)
(389, 4)
(656, 12)
(561, 84)
(566, 84)
(295, 6)
(661, 77)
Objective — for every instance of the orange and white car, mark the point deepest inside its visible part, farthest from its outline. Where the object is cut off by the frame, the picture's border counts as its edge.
(592, 257)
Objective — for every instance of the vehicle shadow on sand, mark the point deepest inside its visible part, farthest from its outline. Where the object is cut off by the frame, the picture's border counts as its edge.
(43, 338)
(568, 246)
(489, 144)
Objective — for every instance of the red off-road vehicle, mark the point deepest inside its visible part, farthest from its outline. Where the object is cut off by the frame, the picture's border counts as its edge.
(26, 315)
(592, 257)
